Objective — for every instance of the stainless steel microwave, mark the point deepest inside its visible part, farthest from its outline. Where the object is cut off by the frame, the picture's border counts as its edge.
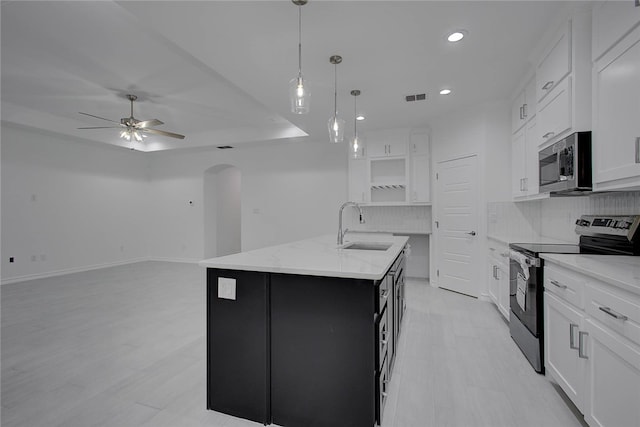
(565, 167)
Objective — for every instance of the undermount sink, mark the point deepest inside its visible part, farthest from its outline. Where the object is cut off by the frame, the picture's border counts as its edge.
(368, 246)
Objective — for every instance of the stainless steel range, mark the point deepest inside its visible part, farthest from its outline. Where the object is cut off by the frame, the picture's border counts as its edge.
(599, 234)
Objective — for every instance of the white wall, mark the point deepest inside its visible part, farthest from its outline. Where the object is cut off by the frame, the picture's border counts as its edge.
(483, 130)
(290, 191)
(68, 206)
(229, 211)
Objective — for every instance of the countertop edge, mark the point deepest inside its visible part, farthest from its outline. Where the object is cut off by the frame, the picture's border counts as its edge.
(568, 261)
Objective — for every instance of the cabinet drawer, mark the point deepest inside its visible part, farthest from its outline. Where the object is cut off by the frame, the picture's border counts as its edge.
(382, 389)
(554, 114)
(555, 65)
(384, 291)
(567, 284)
(383, 337)
(615, 309)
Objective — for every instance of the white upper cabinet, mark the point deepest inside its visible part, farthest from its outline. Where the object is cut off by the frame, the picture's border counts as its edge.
(523, 107)
(524, 162)
(616, 116)
(387, 143)
(555, 64)
(563, 81)
(612, 20)
(395, 168)
(358, 183)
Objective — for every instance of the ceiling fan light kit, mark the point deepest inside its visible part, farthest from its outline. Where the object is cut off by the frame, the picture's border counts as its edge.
(132, 128)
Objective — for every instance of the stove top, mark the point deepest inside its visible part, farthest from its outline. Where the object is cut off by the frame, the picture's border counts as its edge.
(534, 249)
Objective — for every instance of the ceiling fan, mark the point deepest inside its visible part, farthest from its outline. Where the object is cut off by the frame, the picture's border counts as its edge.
(132, 127)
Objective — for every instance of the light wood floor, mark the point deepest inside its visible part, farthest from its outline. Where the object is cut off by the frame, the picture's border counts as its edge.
(125, 346)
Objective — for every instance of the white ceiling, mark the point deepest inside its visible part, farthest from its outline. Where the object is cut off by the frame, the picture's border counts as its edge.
(218, 71)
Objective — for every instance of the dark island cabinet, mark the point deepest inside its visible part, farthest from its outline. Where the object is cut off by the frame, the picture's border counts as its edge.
(297, 350)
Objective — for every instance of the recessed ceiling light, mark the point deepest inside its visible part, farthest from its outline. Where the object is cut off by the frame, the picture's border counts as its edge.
(456, 36)
(445, 91)
(360, 117)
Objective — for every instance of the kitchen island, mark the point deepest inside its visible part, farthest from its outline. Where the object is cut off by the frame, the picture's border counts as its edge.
(304, 334)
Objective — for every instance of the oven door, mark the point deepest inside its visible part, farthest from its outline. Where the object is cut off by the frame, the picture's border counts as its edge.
(524, 293)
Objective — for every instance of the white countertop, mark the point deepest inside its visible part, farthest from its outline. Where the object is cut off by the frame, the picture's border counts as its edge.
(318, 256)
(531, 239)
(620, 271)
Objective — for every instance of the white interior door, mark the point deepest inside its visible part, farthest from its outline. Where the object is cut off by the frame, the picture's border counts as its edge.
(457, 216)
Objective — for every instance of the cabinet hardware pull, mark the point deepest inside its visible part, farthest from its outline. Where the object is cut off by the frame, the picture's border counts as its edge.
(613, 313)
(548, 85)
(638, 149)
(548, 135)
(471, 233)
(581, 353)
(521, 113)
(572, 336)
(558, 284)
(494, 272)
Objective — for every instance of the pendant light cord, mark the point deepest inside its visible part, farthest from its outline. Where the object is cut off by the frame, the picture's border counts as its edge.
(355, 116)
(335, 90)
(299, 41)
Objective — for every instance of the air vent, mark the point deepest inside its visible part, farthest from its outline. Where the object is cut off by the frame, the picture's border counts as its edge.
(416, 97)
(224, 147)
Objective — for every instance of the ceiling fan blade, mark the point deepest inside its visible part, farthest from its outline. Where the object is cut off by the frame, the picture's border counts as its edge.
(101, 127)
(163, 132)
(98, 117)
(149, 123)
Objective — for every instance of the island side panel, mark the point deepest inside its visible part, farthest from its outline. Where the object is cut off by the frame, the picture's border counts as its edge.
(238, 345)
(323, 346)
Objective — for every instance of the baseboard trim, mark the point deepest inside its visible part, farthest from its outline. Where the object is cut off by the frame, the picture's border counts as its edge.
(62, 272)
(182, 260)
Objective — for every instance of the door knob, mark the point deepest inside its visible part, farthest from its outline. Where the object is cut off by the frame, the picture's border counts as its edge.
(471, 233)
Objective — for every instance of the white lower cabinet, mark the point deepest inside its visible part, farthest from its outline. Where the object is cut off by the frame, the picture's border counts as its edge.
(498, 284)
(613, 392)
(563, 324)
(592, 350)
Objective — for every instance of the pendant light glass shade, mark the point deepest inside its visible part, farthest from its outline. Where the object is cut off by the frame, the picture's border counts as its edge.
(336, 125)
(299, 94)
(356, 148)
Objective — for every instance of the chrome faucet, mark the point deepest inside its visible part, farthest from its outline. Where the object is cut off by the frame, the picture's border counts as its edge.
(340, 232)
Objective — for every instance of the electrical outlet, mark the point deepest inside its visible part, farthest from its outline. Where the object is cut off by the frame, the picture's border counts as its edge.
(226, 288)
(11, 259)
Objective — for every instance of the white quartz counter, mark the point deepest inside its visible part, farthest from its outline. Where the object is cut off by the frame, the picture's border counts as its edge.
(506, 240)
(320, 256)
(620, 271)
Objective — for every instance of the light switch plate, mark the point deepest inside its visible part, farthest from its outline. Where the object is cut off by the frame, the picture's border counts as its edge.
(226, 288)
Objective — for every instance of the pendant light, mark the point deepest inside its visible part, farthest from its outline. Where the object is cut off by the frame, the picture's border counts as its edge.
(298, 93)
(357, 144)
(336, 124)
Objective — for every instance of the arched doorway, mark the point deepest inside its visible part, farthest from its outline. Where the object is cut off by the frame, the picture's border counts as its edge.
(222, 215)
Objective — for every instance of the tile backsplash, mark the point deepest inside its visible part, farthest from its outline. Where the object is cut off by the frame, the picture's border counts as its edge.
(554, 217)
(410, 219)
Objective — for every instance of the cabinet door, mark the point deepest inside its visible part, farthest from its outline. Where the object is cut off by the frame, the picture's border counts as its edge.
(420, 178)
(613, 394)
(493, 281)
(518, 164)
(517, 112)
(358, 181)
(556, 63)
(397, 147)
(419, 142)
(554, 114)
(611, 21)
(616, 133)
(531, 180)
(529, 107)
(377, 146)
(562, 325)
(503, 289)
